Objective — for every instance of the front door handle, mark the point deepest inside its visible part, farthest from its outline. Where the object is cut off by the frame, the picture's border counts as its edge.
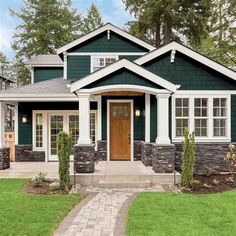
(129, 138)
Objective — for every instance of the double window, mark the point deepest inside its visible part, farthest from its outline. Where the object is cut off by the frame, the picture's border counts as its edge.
(207, 116)
(99, 62)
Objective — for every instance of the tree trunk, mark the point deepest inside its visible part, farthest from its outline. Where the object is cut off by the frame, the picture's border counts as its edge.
(158, 34)
(167, 31)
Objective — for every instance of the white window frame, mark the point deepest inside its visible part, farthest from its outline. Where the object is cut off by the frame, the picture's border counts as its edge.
(46, 114)
(210, 117)
(116, 56)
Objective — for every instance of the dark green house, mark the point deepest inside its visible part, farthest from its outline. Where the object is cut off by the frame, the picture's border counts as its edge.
(122, 99)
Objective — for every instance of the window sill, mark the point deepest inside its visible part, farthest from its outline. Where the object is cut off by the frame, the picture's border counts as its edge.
(205, 140)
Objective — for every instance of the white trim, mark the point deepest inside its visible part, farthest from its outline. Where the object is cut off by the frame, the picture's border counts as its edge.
(32, 74)
(100, 30)
(147, 117)
(116, 57)
(124, 63)
(46, 65)
(65, 65)
(205, 92)
(190, 53)
(2, 124)
(124, 87)
(108, 125)
(16, 123)
(210, 137)
(106, 53)
(99, 117)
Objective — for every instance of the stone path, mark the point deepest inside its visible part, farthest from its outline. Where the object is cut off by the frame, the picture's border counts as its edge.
(100, 213)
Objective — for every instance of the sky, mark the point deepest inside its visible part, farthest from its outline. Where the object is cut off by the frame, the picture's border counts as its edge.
(111, 10)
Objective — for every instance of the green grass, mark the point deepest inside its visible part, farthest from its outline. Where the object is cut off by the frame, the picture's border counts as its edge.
(23, 214)
(182, 214)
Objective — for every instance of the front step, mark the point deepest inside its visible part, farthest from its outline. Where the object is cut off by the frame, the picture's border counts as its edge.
(124, 184)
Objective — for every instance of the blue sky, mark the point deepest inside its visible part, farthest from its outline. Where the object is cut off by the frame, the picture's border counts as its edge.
(111, 10)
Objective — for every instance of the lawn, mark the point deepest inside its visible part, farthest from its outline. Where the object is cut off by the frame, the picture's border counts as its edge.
(23, 214)
(182, 214)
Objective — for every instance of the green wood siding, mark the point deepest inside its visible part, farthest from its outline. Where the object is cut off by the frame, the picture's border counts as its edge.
(123, 76)
(129, 57)
(116, 43)
(78, 67)
(233, 118)
(25, 130)
(190, 74)
(47, 73)
(153, 118)
(139, 122)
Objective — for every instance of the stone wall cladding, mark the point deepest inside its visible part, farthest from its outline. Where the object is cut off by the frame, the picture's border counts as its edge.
(137, 150)
(26, 153)
(101, 150)
(147, 153)
(84, 158)
(164, 158)
(209, 155)
(4, 158)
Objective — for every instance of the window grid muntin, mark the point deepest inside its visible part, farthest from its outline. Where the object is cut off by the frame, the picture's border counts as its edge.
(39, 130)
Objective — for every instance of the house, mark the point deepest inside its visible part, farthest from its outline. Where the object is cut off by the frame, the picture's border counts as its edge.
(123, 99)
(5, 82)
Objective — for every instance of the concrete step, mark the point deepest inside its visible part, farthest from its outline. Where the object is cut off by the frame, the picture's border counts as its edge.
(124, 184)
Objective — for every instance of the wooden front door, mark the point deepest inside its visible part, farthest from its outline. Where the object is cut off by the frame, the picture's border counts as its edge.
(120, 131)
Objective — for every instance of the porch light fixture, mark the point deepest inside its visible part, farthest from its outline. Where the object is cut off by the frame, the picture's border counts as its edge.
(137, 112)
(24, 119)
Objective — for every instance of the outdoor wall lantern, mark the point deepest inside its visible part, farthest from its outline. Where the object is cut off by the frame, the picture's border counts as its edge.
(24, 119)
(137, 112)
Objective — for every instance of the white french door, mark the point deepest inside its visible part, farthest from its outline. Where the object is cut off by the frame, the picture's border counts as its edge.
(61, 122)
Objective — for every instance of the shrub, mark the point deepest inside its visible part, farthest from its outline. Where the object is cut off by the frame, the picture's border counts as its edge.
(38, 180)
(231, 159)
(207, 171)
(64, 146)
(188, 159)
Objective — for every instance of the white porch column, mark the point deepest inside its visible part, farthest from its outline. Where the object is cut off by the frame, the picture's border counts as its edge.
(2, 123)
(147, 117)
(84, 119)
(16, 123)
(163, 119)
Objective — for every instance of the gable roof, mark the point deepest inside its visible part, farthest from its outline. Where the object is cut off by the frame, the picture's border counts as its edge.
(101, 29)
(188, 52)
(7, 79)
(45, 59)
(123, 63)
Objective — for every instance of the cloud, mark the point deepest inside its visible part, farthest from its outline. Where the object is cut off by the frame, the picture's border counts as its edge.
(6, 34)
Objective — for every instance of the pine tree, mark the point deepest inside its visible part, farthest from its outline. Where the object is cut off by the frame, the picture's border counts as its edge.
(4, 64)
(220, 44)
(161, 21)
(93, 20)
(46, 25)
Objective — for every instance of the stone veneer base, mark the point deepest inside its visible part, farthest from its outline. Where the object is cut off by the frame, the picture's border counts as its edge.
(4, 158)
(26, 153)
(147, 153)
(84, 158)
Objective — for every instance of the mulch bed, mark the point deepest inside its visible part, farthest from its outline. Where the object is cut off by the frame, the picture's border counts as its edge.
(44, 189)
(208, 184)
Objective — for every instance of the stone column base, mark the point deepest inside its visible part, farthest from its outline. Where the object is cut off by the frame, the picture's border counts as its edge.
(147, 153)
(102, 150)
(164, 158)
(84, 158)
(4, 158)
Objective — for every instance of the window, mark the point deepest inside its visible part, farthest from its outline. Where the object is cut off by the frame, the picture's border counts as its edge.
(74, 128)
(220, 116)
(101, 61)
(207, 115)
(182, 115)
(200, 114)
(39, 130)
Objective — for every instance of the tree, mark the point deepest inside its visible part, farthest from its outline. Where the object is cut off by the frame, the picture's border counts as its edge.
(92, 21)
(46, 25)
(220, 44)
(161, 21)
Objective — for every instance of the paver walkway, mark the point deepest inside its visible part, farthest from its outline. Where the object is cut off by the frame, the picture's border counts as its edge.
(99, 215)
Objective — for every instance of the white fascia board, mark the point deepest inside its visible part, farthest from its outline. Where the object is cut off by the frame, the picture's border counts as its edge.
(124, 63)
(106, 53)
(205, 92)
(124, 87)
(190, 53)
(110, 27)
(47, 65)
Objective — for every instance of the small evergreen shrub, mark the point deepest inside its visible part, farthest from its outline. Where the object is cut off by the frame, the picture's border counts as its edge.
(188, 159)
(38, 180)
(64, 146)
